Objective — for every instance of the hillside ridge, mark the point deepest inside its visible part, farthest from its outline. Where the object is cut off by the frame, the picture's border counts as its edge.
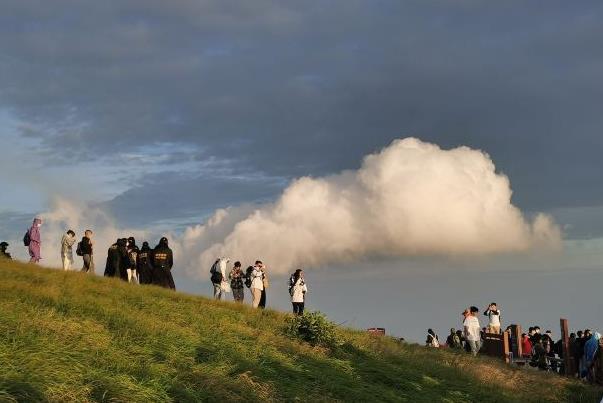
(66, 336)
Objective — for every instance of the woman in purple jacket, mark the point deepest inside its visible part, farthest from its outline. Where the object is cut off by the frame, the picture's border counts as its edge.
(35, 241)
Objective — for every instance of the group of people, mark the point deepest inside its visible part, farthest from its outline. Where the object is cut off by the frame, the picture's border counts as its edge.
(470, 338)
(538, 349)
(255, 277)
(125, 260)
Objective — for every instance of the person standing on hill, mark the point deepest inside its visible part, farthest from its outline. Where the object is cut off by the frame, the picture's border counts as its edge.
(472, 331)
(236, 282)
(526, 346)
(298, 292)
(143, 265)
(257, 284)
(265, 284)
(218, 277)
(162, 260)
(86, 248)
(493, 314)
(113, 260)
(3, 253)
(67, 250)
(33, 241)
(124, 258)
(132, 261)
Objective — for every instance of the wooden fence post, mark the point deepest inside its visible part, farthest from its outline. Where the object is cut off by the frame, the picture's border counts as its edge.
(516, 341)
(567, 356)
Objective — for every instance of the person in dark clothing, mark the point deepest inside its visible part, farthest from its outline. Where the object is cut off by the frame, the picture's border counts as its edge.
(576, 351)
(143, 265)
(162, 260)
(3, 253)
(124, 258)
(87, 249)
(132, 261)
(453, 340)
(113, 265)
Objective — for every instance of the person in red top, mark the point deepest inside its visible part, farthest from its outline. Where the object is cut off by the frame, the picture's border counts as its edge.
(526, 346)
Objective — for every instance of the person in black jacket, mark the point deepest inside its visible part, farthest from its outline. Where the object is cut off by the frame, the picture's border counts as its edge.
(87, 249)
(112, 267)
(163, 260)
(124, 258)
(143, 265)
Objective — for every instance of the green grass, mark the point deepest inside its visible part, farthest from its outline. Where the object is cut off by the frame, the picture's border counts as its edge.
(73, 337)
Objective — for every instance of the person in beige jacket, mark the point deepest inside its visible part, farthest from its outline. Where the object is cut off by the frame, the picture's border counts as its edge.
(67, 250)
(257, 284)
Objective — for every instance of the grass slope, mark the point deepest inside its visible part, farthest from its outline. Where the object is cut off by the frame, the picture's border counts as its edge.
(72, 337)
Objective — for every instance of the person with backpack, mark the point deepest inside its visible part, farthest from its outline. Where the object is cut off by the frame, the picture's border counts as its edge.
(298, 292)
(85, 249)
(236, 282)
(432, 339)
(218, 277)
(67, 250)
(132, 261)
(33, 241)
(162, 260)
(257, 284)
(143, 265)
(3, 253)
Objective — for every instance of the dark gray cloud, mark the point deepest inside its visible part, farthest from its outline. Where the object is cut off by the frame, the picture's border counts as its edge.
(290, 88)
(180, 200)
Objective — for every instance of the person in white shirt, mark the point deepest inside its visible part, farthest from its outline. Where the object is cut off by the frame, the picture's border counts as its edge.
(493, 314)
(298, 292)
(472, 331)
(67, 250)
(257, 284)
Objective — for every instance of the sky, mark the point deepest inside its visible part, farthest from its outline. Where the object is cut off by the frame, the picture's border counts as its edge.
(152, 117)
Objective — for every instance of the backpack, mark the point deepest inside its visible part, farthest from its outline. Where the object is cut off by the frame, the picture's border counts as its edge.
(26, 239)
(291, 283)
(248, 276)
(78, 250)
(216, 273)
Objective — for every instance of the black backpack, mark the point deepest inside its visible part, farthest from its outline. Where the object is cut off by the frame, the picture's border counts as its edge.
(216, 274)
(26, 239)
(78, 250)
(248, 276)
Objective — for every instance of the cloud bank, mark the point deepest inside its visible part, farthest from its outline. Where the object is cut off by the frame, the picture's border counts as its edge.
(410, 199)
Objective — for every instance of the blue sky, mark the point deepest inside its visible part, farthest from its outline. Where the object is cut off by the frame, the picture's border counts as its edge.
(162, 113)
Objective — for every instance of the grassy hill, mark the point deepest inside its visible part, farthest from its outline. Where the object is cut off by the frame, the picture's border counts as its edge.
(72, 337)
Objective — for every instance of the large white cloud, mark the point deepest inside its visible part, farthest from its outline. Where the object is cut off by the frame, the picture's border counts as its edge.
(411, 198)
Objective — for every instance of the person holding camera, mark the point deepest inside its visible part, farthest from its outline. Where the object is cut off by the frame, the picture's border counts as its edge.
(493, 314)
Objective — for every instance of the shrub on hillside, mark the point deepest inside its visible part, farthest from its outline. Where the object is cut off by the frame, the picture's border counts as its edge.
(314, 328)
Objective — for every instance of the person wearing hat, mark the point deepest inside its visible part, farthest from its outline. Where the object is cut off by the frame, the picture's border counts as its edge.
(132, 260)
(3, 253)
(143, 265)
(162, 260)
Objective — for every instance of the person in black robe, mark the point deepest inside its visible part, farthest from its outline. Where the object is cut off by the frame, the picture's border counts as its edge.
(162, 260)
(143, 265)
(112, 267)
(124, 258)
